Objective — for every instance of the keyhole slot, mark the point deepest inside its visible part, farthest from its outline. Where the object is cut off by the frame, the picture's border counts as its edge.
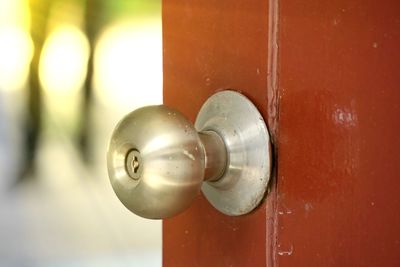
(133, 164)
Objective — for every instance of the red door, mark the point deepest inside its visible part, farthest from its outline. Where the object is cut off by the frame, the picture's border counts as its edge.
(326, 77)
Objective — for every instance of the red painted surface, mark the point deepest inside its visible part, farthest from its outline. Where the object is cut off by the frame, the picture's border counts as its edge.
(339, 126)
(209, 46)
(336, 68)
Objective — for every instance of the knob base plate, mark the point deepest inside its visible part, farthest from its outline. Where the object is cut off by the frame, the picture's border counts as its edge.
(245, 134)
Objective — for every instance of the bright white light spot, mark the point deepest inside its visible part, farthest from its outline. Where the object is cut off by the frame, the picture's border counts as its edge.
(128, 65)
(63, 63)
(16, 50)
(15, 12)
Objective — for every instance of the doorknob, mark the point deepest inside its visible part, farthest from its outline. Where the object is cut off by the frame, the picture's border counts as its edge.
(158, 161)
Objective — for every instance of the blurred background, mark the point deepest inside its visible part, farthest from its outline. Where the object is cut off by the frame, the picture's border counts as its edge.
(69, 70)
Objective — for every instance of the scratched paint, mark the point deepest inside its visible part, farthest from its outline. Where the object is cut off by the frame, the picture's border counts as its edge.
(338, 141)
(210, 46)
(345, 117)
(329, 75)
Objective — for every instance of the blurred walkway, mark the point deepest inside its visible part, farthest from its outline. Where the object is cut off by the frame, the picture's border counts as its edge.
(70, 217)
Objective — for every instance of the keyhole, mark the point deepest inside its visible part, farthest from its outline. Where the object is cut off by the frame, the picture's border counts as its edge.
(133, 164)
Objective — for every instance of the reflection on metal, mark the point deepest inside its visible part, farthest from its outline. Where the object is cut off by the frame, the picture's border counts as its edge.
(245, 134)
(157, 161)
(172, 166)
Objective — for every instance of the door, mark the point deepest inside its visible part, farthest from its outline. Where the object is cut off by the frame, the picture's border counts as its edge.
(325, 75)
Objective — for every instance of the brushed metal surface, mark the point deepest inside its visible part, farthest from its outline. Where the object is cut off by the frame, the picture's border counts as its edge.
(172, 162)
(157, 161)
(241, 126)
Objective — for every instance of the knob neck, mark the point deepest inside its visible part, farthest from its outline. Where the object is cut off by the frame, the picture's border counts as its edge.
(215, 155)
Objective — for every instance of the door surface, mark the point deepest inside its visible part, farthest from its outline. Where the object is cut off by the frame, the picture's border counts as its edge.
(325, 75)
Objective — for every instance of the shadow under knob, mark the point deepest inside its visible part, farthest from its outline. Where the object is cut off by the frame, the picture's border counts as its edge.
(156, 162)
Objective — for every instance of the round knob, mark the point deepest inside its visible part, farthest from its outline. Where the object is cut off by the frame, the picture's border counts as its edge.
(157, 161)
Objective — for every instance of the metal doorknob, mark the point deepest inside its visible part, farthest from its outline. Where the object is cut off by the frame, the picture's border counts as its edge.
(158, 161)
